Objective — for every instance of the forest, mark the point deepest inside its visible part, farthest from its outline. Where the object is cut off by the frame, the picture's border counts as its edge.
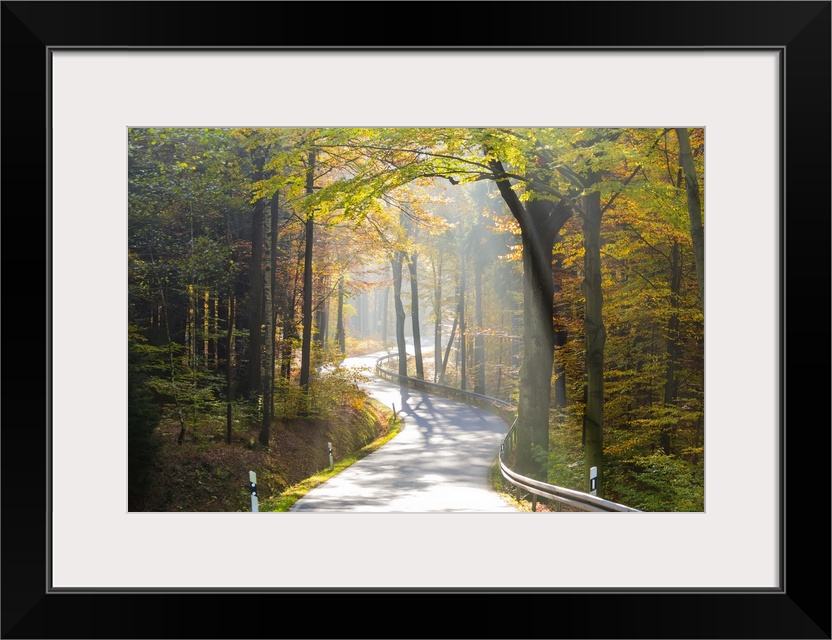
(558, 269)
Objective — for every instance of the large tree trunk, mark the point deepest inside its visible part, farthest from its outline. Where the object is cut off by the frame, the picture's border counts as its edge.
(268, 374)
(672, 341)
(538, 358)
(414, 316)
(255, 343)
(540, 221)
(306, 344)
(595, 339)
(396, 263)
(697, 233)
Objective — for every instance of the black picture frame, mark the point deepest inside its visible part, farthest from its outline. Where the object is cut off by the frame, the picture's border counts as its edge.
(800, 31)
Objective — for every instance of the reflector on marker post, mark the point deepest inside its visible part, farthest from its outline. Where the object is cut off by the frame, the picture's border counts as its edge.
(593, 480)
(252, 485)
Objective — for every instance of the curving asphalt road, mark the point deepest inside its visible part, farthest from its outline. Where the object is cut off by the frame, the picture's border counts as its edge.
(439, 462)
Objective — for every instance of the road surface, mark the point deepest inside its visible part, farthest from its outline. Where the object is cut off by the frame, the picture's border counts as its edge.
(439, 462)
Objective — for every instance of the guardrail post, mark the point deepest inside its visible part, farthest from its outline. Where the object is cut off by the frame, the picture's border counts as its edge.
(252, 485)
(534, 502)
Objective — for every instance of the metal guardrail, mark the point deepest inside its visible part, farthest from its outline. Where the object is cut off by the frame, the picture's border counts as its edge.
(577, 499)
(425, 384)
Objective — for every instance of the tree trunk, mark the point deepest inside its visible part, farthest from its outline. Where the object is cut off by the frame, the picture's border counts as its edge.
(206, 330)
(384, 319)
(448, 350)
(479, 341)
(215, 330)
(414, 316)
(275, 211)
(321, 319)
(540, 222)
(255, 343)
(306, 344)
(463, 353)
(396, 263)
(268, 374)
(672, 341)
(229, 368)
(559, 311)
(340, 336)
(697, 233)
(437, 320)
(595, 340)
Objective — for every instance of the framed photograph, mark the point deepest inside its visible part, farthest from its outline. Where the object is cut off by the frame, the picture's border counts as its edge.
(755, 76)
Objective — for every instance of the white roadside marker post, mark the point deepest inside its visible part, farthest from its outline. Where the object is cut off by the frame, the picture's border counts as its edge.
(252, 485)
(331, 460)
(593, 480)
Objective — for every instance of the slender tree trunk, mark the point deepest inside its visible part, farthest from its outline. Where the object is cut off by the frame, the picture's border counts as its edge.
(171, 360)
(448, 349)
(206, 330)
(324, 328)
(268, 377)
(559, 311)
(275, 211)
(320, 315)
(437, 322)
(396, 263)
(229, 368)
(384, 319)
(414, 316)
(479, 341)
(463, 353)
(339, 328)
(595, 340)
(286, 335)
(256, 299)
(306, 345)
(697, 233)
(499, 368)
(215, 331)
(376, 313)
(672, 341)
(289, 328)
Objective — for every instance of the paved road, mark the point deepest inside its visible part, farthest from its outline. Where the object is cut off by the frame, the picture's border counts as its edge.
(439, 462)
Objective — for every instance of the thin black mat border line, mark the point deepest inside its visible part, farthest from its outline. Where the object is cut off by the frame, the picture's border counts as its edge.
(781, 51)
(817, 8)
(617, 591)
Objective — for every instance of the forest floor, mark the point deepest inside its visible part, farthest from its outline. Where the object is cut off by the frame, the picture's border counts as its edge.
(206, 474)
